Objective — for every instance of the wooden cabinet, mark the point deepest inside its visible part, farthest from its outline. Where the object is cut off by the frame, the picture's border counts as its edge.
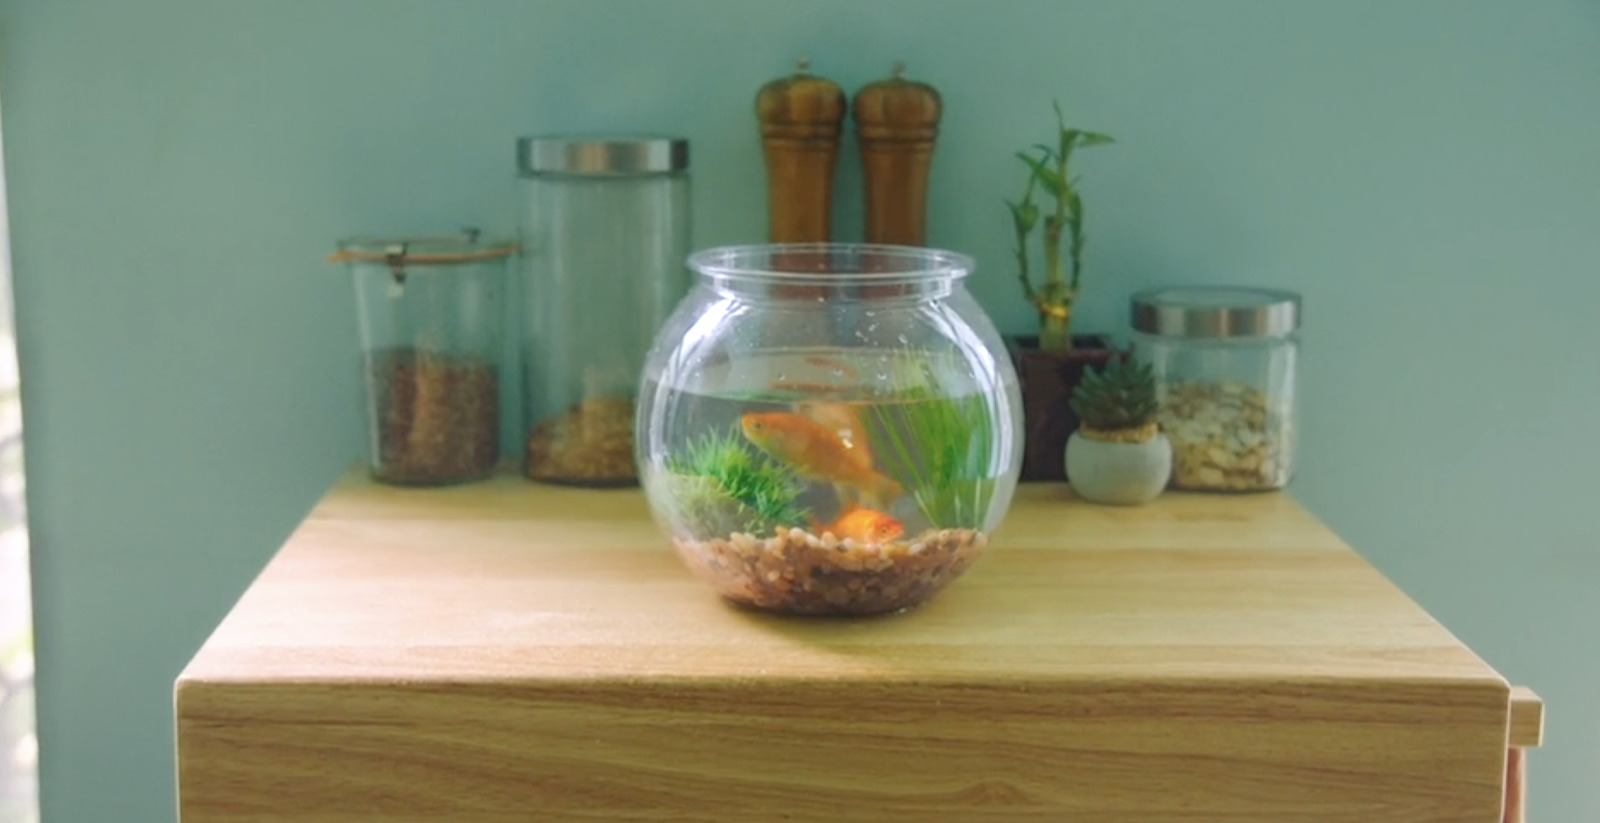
(512, 652)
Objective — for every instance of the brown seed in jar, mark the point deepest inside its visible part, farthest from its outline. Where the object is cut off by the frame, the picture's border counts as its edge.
(592, 441)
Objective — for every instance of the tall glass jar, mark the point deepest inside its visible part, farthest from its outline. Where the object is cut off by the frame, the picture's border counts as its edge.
(605, 230)
(1224, 360)
(829, 428)
(429, 311)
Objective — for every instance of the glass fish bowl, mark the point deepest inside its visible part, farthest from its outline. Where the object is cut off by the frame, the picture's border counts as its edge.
(829, 428)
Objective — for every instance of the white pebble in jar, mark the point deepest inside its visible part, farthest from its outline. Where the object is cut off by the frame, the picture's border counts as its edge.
(1221, 443)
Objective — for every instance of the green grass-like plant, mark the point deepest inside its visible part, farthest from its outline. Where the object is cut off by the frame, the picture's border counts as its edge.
(939, 447)
(721, 486)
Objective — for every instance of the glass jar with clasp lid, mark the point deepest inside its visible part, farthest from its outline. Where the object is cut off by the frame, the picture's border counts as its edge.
(430, 315)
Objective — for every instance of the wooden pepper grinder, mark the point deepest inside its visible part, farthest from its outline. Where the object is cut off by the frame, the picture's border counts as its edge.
(800, 122)
(897, 121)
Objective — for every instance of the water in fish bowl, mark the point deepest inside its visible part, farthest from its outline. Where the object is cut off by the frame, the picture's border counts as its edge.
(828, 481)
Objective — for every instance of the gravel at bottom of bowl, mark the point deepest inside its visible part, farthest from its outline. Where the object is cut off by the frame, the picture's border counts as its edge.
(797, 572)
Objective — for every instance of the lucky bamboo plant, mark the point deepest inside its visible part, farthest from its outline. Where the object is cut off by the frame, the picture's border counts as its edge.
(1049, 171)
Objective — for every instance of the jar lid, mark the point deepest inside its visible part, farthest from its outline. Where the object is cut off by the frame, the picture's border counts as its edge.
(461, 248)
(602, 156)
(1216, 311)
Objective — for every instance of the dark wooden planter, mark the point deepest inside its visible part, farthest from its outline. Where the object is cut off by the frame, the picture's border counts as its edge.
(1048, 378)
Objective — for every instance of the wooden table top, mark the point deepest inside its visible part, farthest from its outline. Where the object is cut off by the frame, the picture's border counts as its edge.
(510, 651)
(513, 580)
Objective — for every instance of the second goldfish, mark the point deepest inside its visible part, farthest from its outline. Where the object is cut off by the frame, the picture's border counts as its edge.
(865, 525)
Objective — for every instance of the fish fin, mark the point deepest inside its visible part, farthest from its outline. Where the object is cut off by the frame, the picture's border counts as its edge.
(884, 490)
(862, 449)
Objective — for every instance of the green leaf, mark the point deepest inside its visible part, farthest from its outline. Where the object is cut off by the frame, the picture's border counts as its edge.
(1047, 177)
(1024, 215)
(1068, 140)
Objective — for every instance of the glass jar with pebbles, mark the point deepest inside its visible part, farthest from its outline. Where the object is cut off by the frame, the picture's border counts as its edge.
(430, 314)
(1224, 359)
(604, 225)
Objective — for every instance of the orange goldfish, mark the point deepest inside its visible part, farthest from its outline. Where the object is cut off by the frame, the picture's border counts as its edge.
(817, 453)
(865, 525)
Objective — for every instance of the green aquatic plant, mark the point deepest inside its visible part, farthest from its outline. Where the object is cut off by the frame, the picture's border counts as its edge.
(720, 486)
(940, 447)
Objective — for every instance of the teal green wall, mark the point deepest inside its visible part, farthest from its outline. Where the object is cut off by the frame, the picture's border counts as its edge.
(1427, 173)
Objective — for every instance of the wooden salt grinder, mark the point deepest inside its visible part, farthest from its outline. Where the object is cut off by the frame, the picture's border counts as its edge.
(800, 122)
(897, 121)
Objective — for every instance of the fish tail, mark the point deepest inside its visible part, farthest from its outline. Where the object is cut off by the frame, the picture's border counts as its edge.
(883, 490)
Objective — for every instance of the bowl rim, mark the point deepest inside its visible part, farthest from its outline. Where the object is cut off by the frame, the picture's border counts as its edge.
(916, 264)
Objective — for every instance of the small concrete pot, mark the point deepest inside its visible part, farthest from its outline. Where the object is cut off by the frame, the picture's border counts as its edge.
(1118, 474)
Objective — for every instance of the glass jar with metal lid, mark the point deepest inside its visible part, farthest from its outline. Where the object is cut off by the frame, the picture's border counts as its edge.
(1224, 360)
(430, 314)
(604, 235)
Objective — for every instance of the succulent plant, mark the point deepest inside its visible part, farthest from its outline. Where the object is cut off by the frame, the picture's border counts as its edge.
(1120, 397)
